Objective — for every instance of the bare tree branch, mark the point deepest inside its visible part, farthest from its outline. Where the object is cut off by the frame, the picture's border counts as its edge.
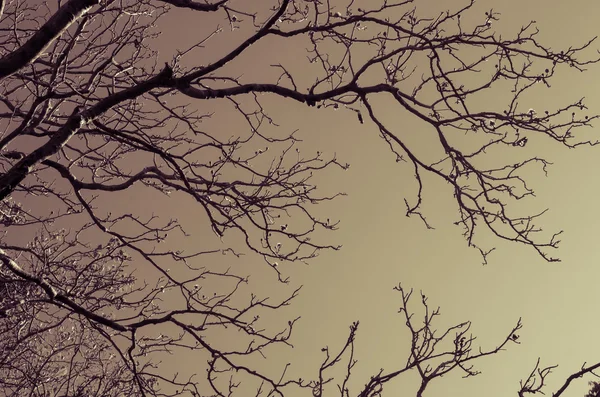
(96, 290)
(197, 6)
(56, 25)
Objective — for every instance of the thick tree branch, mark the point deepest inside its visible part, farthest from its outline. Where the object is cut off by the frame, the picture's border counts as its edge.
(56, 296)
(186, 80)
(11, 179)
(56, 25)
(196, 6)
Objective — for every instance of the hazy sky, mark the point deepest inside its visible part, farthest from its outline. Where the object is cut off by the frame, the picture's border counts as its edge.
(382, 247)
(557, 301)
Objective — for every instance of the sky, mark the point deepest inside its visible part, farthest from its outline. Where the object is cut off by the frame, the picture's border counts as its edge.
(382, 247)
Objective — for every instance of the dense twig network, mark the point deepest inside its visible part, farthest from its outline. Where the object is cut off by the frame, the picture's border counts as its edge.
(89, 305)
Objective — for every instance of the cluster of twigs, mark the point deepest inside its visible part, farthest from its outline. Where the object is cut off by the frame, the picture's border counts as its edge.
(89, 115)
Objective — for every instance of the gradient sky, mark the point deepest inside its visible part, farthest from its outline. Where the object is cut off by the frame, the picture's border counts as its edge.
(382, 247)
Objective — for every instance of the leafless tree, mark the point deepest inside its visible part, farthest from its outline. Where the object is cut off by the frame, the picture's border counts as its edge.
(89, 306)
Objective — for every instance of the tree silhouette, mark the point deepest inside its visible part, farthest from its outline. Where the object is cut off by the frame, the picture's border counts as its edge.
(595, 389)
(89, 304)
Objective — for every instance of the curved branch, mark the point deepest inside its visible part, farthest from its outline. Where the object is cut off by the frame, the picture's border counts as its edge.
(574, 376)
(11, 179)
(44, 36)
(55, 296)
